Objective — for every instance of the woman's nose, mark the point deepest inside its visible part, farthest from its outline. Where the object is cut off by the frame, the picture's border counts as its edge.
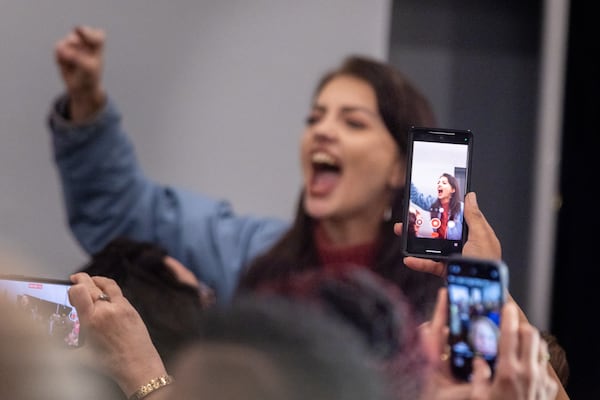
(325, 130)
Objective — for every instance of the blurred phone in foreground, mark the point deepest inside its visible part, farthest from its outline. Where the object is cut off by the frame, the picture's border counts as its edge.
(46, 302)
(476, 294)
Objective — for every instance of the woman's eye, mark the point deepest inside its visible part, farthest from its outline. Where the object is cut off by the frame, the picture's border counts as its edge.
(355, 124)
(312, 119)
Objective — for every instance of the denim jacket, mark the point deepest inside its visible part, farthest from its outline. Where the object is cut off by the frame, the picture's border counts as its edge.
(106, 195)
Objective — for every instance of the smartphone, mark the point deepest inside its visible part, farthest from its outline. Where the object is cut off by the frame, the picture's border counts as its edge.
(437, 179)
(476, 293)
(46, 302)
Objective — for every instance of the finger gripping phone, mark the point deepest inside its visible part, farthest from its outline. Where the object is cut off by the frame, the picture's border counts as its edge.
(476, 293)
(437, 179)
(46, 302)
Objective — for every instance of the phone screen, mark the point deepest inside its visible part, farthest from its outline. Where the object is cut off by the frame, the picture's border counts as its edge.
(476, 292)
(437, 179)
(46, 302)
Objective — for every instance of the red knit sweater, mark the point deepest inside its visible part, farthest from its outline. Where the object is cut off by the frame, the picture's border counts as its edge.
(332, 256)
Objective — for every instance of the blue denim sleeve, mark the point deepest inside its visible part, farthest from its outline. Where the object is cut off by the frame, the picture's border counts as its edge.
(107, 195)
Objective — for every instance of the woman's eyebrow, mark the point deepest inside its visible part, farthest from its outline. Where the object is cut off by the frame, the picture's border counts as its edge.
(350, 109)
(347, 110)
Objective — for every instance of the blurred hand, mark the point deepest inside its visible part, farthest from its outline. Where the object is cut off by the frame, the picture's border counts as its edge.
(79, 56)
(439, 384)
(115, 332)
(521, 368)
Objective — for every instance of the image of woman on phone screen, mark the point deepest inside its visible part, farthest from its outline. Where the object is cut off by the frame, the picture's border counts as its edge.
(483, 336)
(446, 212)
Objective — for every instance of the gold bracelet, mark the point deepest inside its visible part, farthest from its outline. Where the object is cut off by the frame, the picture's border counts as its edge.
(151, 386)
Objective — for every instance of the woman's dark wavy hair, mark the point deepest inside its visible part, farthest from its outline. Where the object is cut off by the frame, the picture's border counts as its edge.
(455, 199)
(400, 105)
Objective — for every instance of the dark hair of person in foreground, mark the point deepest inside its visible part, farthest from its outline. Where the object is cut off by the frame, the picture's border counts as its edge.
(170, 308)
(272, 349)
(373, 307)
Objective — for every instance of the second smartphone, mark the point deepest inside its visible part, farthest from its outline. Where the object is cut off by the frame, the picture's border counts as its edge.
(476, 293)
(437, 178)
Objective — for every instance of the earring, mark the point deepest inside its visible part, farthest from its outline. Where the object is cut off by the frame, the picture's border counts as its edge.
(387, 214)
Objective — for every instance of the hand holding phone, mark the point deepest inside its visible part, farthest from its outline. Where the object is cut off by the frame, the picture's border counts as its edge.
(476, 293)
(437, 178)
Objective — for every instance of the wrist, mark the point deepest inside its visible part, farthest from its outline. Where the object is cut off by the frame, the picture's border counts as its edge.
(83, 106)
(139, 372)
(153, 385)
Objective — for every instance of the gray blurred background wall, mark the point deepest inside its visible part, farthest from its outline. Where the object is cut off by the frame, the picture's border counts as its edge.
(214, 94)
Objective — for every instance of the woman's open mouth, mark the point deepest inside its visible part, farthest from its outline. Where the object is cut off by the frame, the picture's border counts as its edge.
(326, 173)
